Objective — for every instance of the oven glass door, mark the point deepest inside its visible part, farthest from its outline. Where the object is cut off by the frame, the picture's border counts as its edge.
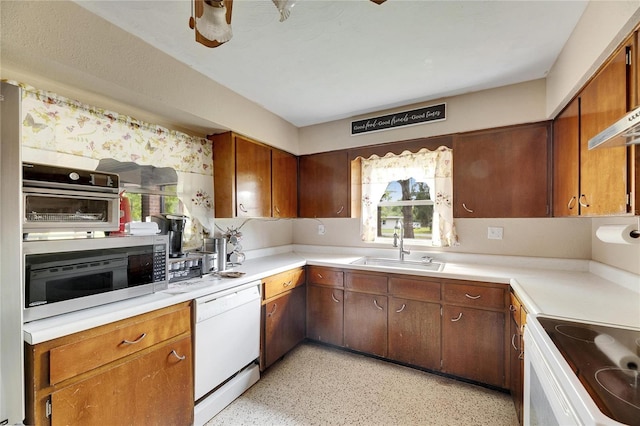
(46, 210)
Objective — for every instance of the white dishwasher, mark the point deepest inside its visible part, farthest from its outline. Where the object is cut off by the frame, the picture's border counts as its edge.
(227, 348)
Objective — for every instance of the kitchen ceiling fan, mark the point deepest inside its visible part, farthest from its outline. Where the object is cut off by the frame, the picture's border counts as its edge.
(211, 19)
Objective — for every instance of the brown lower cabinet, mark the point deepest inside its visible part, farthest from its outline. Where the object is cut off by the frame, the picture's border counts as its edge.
(453, 326)
(414, 332)
(138, 370)
(284, 324)
(325, 314)
(365, 322)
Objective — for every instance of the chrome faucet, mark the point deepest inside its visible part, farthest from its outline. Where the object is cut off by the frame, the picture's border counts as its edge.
(399, 227)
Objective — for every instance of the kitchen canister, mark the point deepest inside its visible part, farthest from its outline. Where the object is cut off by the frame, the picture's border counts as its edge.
(221, 251)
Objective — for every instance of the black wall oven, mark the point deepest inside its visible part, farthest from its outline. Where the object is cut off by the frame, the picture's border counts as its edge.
(61, 276)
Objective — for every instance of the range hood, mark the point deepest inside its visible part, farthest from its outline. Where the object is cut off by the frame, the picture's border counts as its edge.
(625, 131)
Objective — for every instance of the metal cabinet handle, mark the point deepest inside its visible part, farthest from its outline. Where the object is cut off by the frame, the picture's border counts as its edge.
(572, 203)
(402, 308)
(340, 210)
(513, 338)
(277, 209)
(457, 319)
(180, 358)
(287, 284)
(334, 298)
(472, 297)
(521, 356)
(273, 311)
(583, 200)
(512, 308)
(375, 302)
(242, 208)
(133, 342)
(464, 206)
(319, 275)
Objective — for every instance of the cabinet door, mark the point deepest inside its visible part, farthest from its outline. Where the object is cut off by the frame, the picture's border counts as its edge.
(284, 324)
(502, 173)
(365, 323)
(325, 314)
(324, 185)
(284, 184)
(414, 332)
(161, 381)
(473, 344)
(603, 172)
(566, 165)
(253, 179)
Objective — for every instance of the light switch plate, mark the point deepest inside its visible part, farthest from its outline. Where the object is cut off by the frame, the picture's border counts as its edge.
(494, 233)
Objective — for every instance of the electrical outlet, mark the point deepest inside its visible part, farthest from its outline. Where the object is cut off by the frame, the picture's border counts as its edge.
(494, 233)
(321, 229)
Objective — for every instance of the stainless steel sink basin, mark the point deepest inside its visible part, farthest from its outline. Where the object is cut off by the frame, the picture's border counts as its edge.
(421, 265)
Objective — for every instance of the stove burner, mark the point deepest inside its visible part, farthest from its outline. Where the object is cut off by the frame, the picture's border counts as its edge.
(578, 333)
(621, 383)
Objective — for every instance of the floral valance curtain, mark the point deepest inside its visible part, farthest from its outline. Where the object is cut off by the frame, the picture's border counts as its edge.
(433, 167)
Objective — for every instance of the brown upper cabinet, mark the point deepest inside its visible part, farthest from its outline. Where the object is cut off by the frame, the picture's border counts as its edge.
(324, 185)
(595, 182)
(502, 172)
(252, 179)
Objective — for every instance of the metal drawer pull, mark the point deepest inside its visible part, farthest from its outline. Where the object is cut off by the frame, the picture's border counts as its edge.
(334, 298)
(572, 203)
(457, 319)
(512, 308)
(180, 358)
(513, 338)
(472, 297)
(273, 311)
(375, 302)
(242, 208)
(466, 208)
(402, 308)
(320, 275)
(129, 342)
(340, 210)
(583, 200)
(286, 284)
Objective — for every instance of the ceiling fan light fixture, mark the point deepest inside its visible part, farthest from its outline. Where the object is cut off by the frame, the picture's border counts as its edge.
(284, 7)
(211, 20)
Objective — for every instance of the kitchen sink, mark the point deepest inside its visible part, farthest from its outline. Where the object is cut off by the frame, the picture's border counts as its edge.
(421, 265)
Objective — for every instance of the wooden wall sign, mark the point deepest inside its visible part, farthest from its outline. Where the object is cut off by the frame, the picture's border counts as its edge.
(427, 114)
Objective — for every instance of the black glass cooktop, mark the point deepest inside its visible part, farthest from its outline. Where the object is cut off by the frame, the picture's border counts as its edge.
(607, 362)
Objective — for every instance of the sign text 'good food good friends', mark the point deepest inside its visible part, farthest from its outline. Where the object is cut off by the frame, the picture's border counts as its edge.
(399, 119)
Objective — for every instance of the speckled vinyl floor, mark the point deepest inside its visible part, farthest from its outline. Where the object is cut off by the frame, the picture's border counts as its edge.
(316, 385)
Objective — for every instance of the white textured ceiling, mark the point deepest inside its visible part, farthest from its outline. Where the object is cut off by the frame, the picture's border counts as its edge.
(336, 59)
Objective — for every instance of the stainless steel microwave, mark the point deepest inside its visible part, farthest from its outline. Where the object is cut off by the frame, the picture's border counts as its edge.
(62, 276)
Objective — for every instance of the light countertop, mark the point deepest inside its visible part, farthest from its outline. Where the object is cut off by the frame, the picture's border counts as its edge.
(573, 289)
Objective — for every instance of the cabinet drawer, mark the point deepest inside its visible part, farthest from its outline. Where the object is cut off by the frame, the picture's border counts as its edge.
(282, 282)
(126, 337)
(366, 282)
(325, 276)
(474, 295)
(415, 288)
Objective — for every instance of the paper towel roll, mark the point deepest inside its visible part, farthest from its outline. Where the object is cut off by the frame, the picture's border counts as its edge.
(618, 234)
(619, 354)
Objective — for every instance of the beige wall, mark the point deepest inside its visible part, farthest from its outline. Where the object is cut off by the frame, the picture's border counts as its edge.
(623, 256)
(603, 26)
(549, 237)
(514, 104)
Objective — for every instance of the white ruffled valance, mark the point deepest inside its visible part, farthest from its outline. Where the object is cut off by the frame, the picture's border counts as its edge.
(433, 167)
